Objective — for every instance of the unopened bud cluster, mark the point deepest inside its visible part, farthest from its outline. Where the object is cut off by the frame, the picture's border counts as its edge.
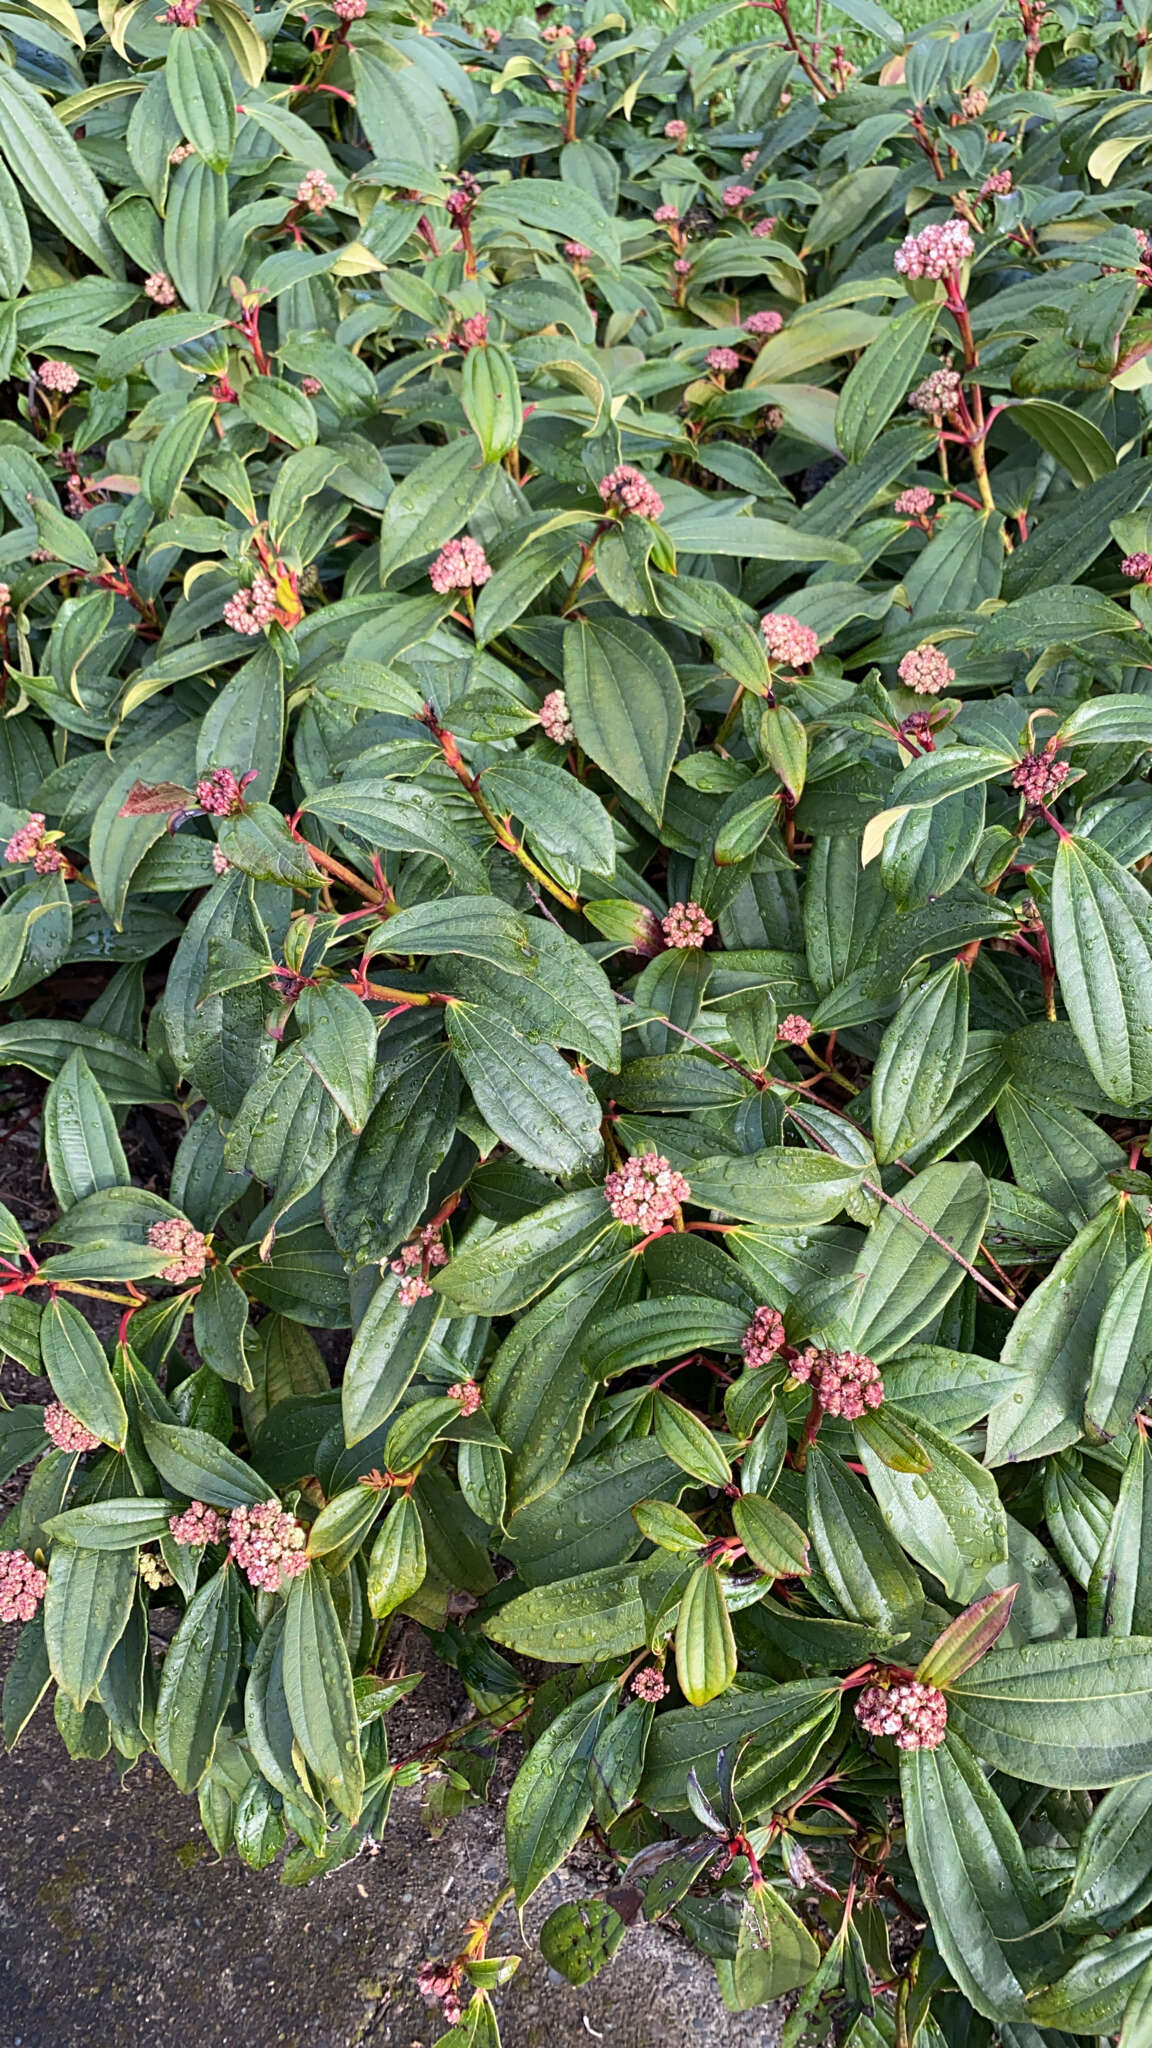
(66, 1431)
(267, 1544)
(197, 1525)
(646, 1191)
(29, 843)
(22, 1586)
(1040, 776)
(913, 1714)
(916, 502)
(415, 1261)
(844, 1382)
(767, 322)
(787, 640)
(650, 1685)
(251, 610)
(763, 1337)
(468, 1394)
(627, 489)
(938, 395)
(460, 565)
(556, 718)
(936, 252)
(926, 670)
(687, 924)
(220, 793)
(187, 1245)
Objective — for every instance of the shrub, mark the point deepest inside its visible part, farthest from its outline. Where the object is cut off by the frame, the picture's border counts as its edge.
(576, 703)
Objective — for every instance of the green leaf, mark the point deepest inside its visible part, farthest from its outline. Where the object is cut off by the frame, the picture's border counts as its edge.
(338, 1041)
(498, 1274)
(1074, 441)
(967, 1639)
(689, 1443)
(81, 1378)
(42, 155)
(1052, 1341)
(879, 379)
(220, 1325)
(1121, 1372)
(863, 1564)
(527, 1094)
(784, 1188)
(1092, 1994)
(909, 1268)
(1071, 1714)
(774, 1542)
(974, 1878)
(665, 1327)
(386, 1351)
(551, 1799)
(1102, 939)
(202, 96)
(919, 1061)
(772, 1727)
(318, 1688)
(626, 705)
(121, 1524)
(196, 1466)
(432, 504)
(571, 1621)
(86, 1608)
(199, 1680)
(491, 398)
(403, 820)
(579, 1938)
(950, 1518)
(398, 1564)
(705, 1645)
(1113, 1876)
(565, 819)
(81, 1141)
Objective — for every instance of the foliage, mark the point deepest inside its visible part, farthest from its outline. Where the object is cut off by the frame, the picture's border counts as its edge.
(575, 699)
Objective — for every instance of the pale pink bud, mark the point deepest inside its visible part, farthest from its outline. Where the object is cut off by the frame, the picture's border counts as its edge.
(646, 1191)
(788, 641)
(926, 669)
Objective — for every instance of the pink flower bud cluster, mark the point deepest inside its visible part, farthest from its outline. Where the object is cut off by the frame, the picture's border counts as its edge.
(462, 198)
(676, 131)
(154, 1572)
(473, 332)
(997, 183)
(627, 489)
(1039, 776)
(763, 1337)
(687, 924)
(182, 152)
(646, 1191)
(787, 640)
(555, 718)
(220, 793)
(667, 216)
(794, 1029)
(937, 251)
(28, 843)
(221, 865)
(682, 266)
(723, 360)
(1138, 566)
(916, 502)
(440, 1982)
(160, 289)
(311, 387)
(57, 376)
(763, 228)
(767, 322)
(460, 565)
(415, 1261)
(468, 1394)
(748, 159)
(66, 1432)
(491, 35)
(974, 102)
(251, 610)
(926, 669)
(844, 1382)
(187, 1245)
(22, 1586)
(939, 394)
(577, 252)
(735, 195)
(350, 10)
(315, 191)
(267, 1544)
(913, 1714)
(650, 1684)
(197, 1525)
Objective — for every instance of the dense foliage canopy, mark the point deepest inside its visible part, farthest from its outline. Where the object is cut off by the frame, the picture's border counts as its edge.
(576, 703)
